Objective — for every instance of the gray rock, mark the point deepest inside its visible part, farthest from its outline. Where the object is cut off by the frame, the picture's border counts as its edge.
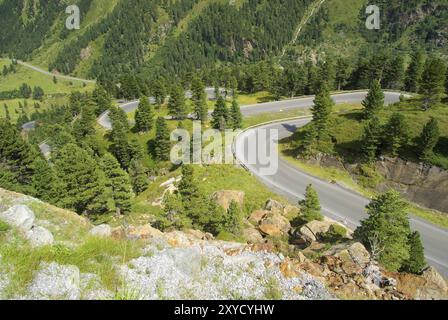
(39, 236)
(215, 271)
(102, 230)
(19, 216)
(55, 282)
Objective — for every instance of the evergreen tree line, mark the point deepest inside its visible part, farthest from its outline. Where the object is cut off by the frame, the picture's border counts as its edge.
(23, 92)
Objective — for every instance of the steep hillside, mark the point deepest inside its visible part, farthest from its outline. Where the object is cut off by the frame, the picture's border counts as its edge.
(177, 37)
(50, 253)
(339, 26)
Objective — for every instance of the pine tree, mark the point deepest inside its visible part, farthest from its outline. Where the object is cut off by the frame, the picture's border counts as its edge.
(144, 116)
(416, 262)
(432, 82)
(16, 159)
(321, 110)
(119, 119)
(393, 73)
(199, 98)
(342, 73)
(428, 139)
(236, 118)
(414, 72)
(38, 93)
(233, 220)
(118, 182)
(396, 134)
(138, 176)
(162, 143)
(159, 92)
(188, 189)
(176, 104)
(385, 232)
(84, 182)
(220, 114)
(45, 182)
(371, 140)
(102, 99)
(374, 100)
(311, 209)
(85, 125)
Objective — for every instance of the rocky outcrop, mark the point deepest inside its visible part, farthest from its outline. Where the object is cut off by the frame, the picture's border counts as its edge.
(418, 182)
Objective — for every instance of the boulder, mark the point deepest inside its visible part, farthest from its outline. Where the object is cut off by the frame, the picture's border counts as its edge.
(19, 216)
(55, 282)
(39, 236)
(144, 232)
(225, 197)
(256, 217)
(103, 230)
(274, 224)
(252, 235)
(274, 206)
(435, 287)
(311, 231)
(351, 253)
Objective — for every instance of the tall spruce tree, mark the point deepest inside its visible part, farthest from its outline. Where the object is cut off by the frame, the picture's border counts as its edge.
(176, 104)
(414, 72)
(374, 100)
(416, 262)
(84, 183)
(220, 115)
(233, 220)
(119, 182)
(162, 143)
(386, 230)
(138, 176)
(428, 139)
(396, 134)
(84, 126)
(323, 105)
(311, 209)
(236, 118)
(45, 182)
(102, 99)
(199, 98)
(16, 159)
(144, 116)
(188, 188)
(371, 140)
(432, 82)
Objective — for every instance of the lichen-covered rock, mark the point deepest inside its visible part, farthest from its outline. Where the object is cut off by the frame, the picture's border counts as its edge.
(39, 236)
(228, 271)
(19, 216)
(55, 282)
